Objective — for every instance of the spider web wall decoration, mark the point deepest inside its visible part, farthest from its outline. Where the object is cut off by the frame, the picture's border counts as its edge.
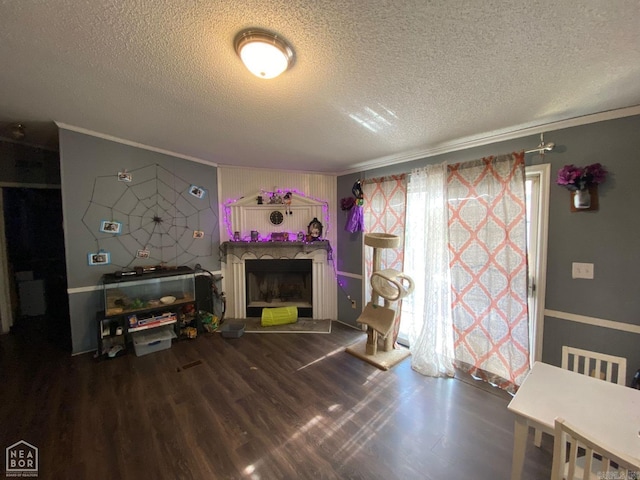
(157, 213)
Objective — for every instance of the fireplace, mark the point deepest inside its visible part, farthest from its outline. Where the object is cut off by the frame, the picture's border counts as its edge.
(321, 302)
(279, 283)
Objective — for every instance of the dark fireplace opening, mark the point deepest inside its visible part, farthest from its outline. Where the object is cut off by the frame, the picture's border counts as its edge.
(279, 283)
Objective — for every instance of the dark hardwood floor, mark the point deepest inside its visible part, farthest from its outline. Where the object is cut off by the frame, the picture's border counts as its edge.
(261, 407)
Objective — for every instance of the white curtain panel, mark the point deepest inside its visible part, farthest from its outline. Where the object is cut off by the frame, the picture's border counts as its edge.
(427, 312)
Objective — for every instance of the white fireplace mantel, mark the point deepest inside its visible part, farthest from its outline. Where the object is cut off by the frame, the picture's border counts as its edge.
(274, 249)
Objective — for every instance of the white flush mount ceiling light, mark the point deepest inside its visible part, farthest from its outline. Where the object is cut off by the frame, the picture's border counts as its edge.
(265, 54)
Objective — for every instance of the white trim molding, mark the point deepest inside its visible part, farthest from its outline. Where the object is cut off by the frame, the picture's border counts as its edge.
(91, 288)
(348, 275)
(543, 173)
(597, 322)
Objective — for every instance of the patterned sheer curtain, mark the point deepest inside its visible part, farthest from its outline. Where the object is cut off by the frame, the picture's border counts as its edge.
(488, 264)
(385, 201)
(465, 249)
(426, 314)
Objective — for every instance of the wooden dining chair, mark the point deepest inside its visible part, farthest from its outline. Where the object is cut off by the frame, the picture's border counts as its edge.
(598, 461)
(600, 365)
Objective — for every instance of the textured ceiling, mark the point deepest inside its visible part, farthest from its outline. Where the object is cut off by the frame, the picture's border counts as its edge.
(372, 80)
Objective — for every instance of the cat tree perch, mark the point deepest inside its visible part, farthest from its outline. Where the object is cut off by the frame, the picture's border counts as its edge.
(392, 286)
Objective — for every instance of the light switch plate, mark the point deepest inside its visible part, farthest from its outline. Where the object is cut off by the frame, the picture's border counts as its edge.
(582, 270)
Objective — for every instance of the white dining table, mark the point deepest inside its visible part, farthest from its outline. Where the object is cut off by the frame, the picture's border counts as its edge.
(604, 410)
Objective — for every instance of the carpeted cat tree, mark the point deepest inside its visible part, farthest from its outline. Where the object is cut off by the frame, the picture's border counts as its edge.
(391, 285)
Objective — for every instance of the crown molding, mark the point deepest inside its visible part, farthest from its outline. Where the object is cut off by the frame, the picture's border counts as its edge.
(440, 149)
(267, 169)
(492, 137)
(130, 143)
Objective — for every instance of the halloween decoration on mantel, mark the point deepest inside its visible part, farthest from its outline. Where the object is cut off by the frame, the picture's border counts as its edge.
(287, 202)
(355, 217)
(275, 198)
(314, 229)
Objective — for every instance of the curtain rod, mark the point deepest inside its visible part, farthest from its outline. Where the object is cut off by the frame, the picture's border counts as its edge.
(542, 147)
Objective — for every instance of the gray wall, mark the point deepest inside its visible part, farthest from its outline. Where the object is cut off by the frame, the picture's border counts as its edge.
(83, 159)
(349, 257)
(608, 238)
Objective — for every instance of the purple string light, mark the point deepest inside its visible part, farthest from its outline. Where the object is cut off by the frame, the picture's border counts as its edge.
(325, 210)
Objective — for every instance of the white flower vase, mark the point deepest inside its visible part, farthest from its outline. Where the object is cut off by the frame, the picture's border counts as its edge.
(582, 199)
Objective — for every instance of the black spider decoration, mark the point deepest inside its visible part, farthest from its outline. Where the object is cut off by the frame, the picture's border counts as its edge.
(157, 220)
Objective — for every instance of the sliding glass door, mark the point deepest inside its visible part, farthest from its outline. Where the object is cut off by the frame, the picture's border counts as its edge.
(537, 194)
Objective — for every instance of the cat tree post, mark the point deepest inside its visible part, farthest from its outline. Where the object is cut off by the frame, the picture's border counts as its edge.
(378, 241)
(389, 284)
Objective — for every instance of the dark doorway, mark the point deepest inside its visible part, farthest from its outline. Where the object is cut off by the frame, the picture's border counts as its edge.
(37, 269)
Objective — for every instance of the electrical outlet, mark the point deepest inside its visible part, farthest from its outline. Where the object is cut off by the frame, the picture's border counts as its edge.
(353, 304)
(582, 270)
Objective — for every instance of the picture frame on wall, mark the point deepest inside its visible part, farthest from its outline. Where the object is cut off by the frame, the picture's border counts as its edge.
(143, 253)
(99, 258)
(197, 191)
(198, 234)
(111, 226)
(124, 177)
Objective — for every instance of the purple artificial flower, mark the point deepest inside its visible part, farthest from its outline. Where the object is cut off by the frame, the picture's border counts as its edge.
(578, 178)
(595, 174)
(569, 176)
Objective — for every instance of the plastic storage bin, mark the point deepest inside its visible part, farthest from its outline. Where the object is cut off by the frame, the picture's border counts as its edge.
(232, 330)
(153, 340)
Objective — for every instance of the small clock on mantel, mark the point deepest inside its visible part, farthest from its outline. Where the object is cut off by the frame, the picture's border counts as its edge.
(276, 217)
